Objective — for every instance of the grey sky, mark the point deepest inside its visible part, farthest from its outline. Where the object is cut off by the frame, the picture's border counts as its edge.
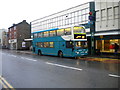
(14, 11)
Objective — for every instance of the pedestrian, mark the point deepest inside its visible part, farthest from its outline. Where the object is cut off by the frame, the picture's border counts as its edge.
(112, 46)
(116, 47)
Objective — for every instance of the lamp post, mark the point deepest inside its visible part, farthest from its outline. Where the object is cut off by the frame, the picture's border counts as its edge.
(92, 31)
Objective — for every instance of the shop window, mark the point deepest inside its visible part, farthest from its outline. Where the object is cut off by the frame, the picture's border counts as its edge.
(99, 44)
(106, 45)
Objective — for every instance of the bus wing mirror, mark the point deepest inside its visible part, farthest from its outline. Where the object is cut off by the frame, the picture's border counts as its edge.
(72, 49)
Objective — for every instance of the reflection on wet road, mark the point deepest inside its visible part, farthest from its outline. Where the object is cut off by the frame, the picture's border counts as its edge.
(33, 71)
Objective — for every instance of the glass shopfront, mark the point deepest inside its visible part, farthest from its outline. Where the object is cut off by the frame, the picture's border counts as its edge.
(104, 45)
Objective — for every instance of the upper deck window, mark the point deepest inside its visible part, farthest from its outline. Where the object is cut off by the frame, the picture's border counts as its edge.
(46, 34)
(35, 35)
(60, 32)
(40, 34)
(52, 33)
(79, 30)
(68, 31)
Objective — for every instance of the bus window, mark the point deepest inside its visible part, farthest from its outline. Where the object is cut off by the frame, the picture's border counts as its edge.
(60, 32)
(46, 44)
(81, 44)
(79, 30)
(68, 31)
(46, 34)
(40, 44)
(52, 33)
(69, 44)
(35, 35)
(40, 35)
(51, 44)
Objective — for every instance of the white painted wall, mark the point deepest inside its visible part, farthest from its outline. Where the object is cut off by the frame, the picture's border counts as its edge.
(107, 15)
(36, 23)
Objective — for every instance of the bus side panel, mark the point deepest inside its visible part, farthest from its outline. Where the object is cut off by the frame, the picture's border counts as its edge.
(51, 51)
(67, 52)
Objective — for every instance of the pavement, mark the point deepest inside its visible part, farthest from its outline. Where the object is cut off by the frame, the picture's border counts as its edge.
(106, 58)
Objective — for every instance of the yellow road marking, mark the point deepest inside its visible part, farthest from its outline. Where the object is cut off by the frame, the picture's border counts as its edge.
(100, 59)
(9, 86)
(4, 86)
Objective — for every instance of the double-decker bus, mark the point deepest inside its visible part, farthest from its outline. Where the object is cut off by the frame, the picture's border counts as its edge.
(62, 42)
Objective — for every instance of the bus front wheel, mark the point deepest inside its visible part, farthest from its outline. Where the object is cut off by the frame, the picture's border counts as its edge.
(39, 52)
(60, 54)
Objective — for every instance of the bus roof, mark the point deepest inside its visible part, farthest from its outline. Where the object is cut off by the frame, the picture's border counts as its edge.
(46, 30)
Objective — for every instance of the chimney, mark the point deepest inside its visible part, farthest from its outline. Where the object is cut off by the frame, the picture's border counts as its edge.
(24, 20)
(14, 24)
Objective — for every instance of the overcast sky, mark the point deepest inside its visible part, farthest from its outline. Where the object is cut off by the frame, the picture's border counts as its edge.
(15, 11)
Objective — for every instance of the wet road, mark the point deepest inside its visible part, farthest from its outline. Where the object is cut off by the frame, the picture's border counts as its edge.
(32, 71)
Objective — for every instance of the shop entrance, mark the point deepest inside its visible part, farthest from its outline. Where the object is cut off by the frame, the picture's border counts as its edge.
(104, 45)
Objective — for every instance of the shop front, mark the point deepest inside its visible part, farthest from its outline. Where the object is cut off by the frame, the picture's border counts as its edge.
(106, 43)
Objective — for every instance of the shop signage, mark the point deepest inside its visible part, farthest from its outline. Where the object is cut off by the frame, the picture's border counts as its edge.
(101, 36)
(23, 44)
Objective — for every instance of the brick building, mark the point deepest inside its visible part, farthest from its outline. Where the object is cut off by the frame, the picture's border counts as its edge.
(16, 35)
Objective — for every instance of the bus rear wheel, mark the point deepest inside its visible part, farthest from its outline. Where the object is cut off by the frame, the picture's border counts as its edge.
(60, 54)
(39, 52)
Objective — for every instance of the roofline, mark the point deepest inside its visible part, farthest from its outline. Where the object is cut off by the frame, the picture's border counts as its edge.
(45, 30)
(17, 24)
(62, 11)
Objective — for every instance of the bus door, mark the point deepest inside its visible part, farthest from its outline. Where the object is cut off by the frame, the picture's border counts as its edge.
(68, 48)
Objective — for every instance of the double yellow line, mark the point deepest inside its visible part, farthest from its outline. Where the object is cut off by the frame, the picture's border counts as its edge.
(5, 84)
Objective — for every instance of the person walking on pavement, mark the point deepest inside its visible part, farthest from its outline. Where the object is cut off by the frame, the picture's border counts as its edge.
(116, 47)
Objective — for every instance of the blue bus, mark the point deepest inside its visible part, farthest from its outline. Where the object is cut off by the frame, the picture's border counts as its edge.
(62, 42)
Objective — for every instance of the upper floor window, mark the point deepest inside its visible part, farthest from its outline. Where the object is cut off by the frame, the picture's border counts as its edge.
(14, 34)
(10, 29)
(103, 14)
(10, 35)
(109, 11)
(97, 15)
(14, 27)
(116, 11)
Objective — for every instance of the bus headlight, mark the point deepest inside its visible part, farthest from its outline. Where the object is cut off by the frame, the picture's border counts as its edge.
(77, 52)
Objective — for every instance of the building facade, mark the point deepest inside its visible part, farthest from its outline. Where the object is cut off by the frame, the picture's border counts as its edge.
(75, 16)
(4, 39)
(107, 25)
(16, 35)
(1, 38)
